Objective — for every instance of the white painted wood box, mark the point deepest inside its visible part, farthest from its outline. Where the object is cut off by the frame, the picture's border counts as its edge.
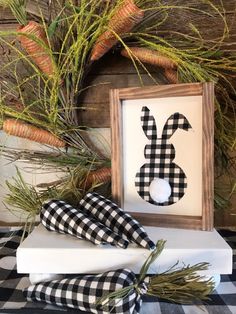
(45, 252)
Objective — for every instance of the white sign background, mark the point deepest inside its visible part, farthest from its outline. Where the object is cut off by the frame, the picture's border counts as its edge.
(188, 150)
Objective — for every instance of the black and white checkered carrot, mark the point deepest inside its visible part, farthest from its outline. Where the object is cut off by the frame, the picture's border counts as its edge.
(115, 218)
(84, 292)
(58, 216)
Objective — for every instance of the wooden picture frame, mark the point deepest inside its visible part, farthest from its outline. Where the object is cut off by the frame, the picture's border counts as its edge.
(124, 105)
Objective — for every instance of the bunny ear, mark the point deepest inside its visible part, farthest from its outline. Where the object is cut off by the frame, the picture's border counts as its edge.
(174, 122)
(148, 124)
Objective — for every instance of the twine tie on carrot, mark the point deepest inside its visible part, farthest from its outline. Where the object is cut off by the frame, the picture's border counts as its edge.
(142, 281)
(142, 287)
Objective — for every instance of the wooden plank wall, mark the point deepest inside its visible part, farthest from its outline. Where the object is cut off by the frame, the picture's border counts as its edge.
(33, 7)
(113, 71)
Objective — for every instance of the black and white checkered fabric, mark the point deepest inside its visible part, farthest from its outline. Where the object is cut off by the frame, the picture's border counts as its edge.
(113, 217)
(11, 283)
(159, 156)
(59, 216)
(83, 292)
(222, 300)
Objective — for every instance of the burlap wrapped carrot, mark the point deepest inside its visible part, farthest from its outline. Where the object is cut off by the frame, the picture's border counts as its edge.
(120, 291)
(124, 19)
(30, 132)
(35, 46)
(171, 75)
(149, 56)
(102, 175)
(35, 49)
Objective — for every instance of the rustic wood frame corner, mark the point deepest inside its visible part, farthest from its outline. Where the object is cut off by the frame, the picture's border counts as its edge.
(206, 90)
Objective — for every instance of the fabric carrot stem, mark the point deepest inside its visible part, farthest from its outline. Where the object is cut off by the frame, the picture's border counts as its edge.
(30, 132)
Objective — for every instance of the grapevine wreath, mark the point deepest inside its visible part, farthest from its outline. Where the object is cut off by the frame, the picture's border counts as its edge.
(46, 61)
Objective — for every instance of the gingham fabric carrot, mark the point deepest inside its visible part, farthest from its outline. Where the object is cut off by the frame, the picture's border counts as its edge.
(84, 292)
(124, 19)
(59, 216)
(24, 130)
(108, 213)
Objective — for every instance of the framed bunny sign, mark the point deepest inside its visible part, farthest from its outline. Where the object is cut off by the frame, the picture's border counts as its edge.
(162, 154)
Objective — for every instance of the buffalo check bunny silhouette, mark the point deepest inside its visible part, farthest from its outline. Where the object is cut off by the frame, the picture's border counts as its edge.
(160, 181)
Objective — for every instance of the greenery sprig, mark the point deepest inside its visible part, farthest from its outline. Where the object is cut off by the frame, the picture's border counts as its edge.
(183, 285)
